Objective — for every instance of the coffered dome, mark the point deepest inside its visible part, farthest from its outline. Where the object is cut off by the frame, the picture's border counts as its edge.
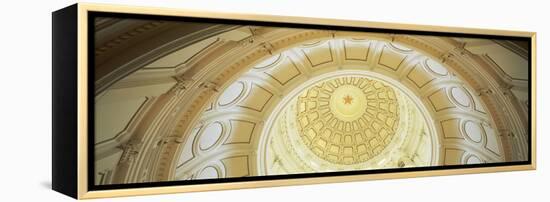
(347, 120)
(228, 101)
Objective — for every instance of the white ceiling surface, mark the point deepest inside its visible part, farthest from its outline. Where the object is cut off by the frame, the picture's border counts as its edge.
(26, 104)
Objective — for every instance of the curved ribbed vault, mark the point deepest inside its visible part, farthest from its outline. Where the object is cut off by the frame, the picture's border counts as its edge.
(207, 109)
(445, 104)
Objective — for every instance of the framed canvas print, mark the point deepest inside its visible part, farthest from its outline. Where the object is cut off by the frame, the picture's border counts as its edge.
(156, 100)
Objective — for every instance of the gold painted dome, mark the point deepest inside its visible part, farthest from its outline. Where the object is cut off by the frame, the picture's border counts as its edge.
(347, 120)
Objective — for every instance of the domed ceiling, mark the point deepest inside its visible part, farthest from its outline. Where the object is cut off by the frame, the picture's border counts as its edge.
(252, 101)
(347, 120)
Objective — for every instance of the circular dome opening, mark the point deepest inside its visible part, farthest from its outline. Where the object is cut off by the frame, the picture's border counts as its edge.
(347, 121)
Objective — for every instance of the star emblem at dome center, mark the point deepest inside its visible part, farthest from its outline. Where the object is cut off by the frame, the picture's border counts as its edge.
(347, 99)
